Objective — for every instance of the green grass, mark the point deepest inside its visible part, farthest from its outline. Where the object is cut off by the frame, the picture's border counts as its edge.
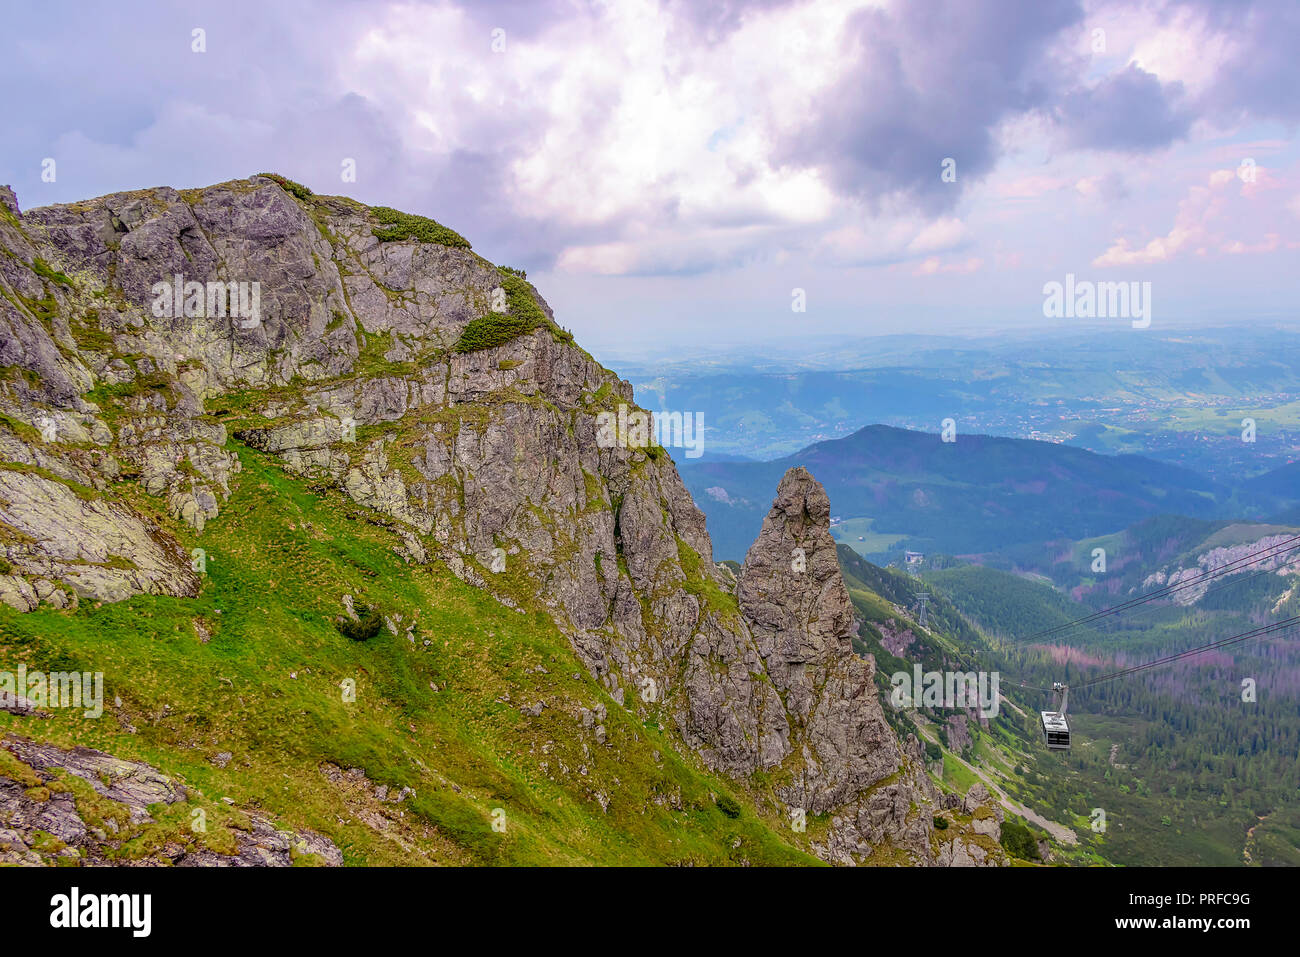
(109, 395)
(83, 492)
(89, 333)
(712, 597)
(44, 309)
(956, 775)
(266, 687)
(28, 433)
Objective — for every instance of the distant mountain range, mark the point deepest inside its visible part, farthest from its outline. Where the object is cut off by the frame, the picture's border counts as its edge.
(893, 488)
(1157, 395)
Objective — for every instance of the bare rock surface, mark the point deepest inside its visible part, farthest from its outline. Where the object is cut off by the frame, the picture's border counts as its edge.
(45, 821)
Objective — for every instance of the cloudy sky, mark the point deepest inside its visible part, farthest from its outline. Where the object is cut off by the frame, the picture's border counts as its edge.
(671, 171)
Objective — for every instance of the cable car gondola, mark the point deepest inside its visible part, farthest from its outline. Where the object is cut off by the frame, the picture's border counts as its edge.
(1056, 729)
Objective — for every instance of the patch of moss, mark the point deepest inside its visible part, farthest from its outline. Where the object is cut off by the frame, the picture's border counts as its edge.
(28, 433)
(43, 309)
(44, 842)
(700, 584)
(370, 357)
(89, 334)
(397, 226)
(595, 491)
(105, 394)
(45, 271)
(95, 809)
(16, 770)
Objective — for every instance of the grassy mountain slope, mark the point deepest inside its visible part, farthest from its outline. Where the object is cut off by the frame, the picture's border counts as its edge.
(264, 685)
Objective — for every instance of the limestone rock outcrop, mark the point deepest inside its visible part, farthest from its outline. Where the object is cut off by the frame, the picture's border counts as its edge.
(319, 339)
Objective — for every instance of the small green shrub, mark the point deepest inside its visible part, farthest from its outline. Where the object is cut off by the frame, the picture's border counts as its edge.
(519, 296)
(5, 567)
(1019, 841)
(398, 227)
(494, 329)
(289, 186)
(941, 824)
(522, 316)
(728, 806)
(368, 624)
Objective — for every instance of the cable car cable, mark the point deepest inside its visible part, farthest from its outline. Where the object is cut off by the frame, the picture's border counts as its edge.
(1272, 551)
(1233, 582)
(1260, 632)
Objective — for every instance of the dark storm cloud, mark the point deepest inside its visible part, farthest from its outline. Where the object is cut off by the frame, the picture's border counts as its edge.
(932, 80)
(1262, 74)
(1130, 110)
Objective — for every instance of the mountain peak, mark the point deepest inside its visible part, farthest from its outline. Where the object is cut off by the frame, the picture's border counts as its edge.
(791, 586)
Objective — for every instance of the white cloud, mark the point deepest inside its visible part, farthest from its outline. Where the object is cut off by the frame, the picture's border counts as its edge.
(1204, 218)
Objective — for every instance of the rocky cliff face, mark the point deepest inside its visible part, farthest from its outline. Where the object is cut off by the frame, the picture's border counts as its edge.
(357, 359)
(1194, 582)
